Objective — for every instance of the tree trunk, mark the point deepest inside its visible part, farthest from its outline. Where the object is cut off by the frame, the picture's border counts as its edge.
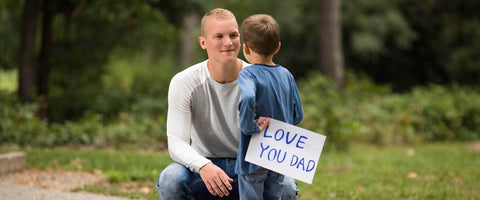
(187, 43)
(44, 67)
(26, 74)
(330, 44)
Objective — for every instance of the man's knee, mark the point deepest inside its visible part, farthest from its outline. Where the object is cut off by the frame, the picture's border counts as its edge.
(172, 178)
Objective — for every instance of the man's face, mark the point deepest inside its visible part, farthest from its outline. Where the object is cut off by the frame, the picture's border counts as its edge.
(221, 40)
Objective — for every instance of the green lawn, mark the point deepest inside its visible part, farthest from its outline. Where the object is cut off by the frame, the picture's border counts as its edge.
(432, 171)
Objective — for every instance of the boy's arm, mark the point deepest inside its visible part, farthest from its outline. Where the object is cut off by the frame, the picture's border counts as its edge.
(298, 109)
(247, 103)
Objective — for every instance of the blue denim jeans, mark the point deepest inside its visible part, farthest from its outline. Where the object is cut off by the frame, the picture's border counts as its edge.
(178, 182)
(261, 184)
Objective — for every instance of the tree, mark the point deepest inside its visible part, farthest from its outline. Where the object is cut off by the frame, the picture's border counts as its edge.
(43, 65)
(27, 58)
(330, 40)
(10, 20)
(185, 15)
(187, 44)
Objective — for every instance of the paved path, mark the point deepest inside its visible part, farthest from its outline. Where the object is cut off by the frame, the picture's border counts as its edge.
(16, 183)
(20, 192)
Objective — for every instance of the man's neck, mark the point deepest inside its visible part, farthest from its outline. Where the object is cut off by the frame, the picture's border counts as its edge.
(224, 72)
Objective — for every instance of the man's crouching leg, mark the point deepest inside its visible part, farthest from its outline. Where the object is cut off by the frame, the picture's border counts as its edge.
(173, 182)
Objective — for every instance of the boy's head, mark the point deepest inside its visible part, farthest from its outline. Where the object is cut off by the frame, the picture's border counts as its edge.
(261, 34)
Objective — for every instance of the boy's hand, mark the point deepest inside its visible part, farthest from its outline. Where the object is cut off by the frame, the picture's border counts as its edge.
(263, 122)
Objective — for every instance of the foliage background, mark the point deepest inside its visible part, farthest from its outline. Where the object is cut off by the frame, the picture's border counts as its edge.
(412, 81)
(413, 70)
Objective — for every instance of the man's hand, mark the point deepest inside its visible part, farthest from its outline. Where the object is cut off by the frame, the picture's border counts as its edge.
(216, 180)
(263, 122)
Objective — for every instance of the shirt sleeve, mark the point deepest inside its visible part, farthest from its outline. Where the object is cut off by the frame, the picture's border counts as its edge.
(246, 105)
(179, 125)
(298, 109)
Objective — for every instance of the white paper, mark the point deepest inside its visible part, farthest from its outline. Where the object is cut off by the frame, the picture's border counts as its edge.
(287, 149)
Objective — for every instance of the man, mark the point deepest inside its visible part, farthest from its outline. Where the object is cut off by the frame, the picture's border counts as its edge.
(202, 122)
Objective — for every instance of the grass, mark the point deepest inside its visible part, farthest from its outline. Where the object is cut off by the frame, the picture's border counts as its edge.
(432, 171)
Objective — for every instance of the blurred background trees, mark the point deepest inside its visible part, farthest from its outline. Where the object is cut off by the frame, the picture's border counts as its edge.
(109, 62)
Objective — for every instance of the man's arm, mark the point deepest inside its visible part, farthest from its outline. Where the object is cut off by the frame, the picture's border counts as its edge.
(178, 134)
(179, 124)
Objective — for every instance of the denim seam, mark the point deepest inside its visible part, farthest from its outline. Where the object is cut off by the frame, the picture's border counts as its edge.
(226, 166)
(195, 182)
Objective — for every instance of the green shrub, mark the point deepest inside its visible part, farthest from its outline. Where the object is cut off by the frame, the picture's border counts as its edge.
(365, 112)
(19, 125)
(136, 130)
(362, 112)
(334, 113)
(447, 113)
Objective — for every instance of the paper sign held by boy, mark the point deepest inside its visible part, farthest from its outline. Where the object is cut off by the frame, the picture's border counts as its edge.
(287, 149)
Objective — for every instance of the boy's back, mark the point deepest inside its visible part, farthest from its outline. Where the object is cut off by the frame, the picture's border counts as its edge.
(266, 91)
(275, 95)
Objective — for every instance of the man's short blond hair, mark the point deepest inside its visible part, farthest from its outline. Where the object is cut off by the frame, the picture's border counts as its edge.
(217, 13)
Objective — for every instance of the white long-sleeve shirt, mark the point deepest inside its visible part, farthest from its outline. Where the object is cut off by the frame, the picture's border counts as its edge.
(202, 120)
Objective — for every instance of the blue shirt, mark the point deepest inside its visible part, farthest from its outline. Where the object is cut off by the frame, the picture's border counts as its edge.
(266, 91)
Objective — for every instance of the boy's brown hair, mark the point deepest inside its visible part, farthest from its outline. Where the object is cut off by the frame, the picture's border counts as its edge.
(261, 34)
(217, 13)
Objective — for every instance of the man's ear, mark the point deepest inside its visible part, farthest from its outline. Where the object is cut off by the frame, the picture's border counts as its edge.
(246, 49)
(203, 42)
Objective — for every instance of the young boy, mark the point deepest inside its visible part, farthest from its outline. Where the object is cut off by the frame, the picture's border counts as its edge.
(267, 90)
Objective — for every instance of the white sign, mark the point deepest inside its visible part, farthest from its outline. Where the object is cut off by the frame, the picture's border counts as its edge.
(286, 149)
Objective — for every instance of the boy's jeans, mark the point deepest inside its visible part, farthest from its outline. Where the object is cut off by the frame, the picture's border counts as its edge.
(261, 184)
(178, 182)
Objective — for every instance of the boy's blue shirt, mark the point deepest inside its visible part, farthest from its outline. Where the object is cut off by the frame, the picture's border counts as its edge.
(266, 91)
